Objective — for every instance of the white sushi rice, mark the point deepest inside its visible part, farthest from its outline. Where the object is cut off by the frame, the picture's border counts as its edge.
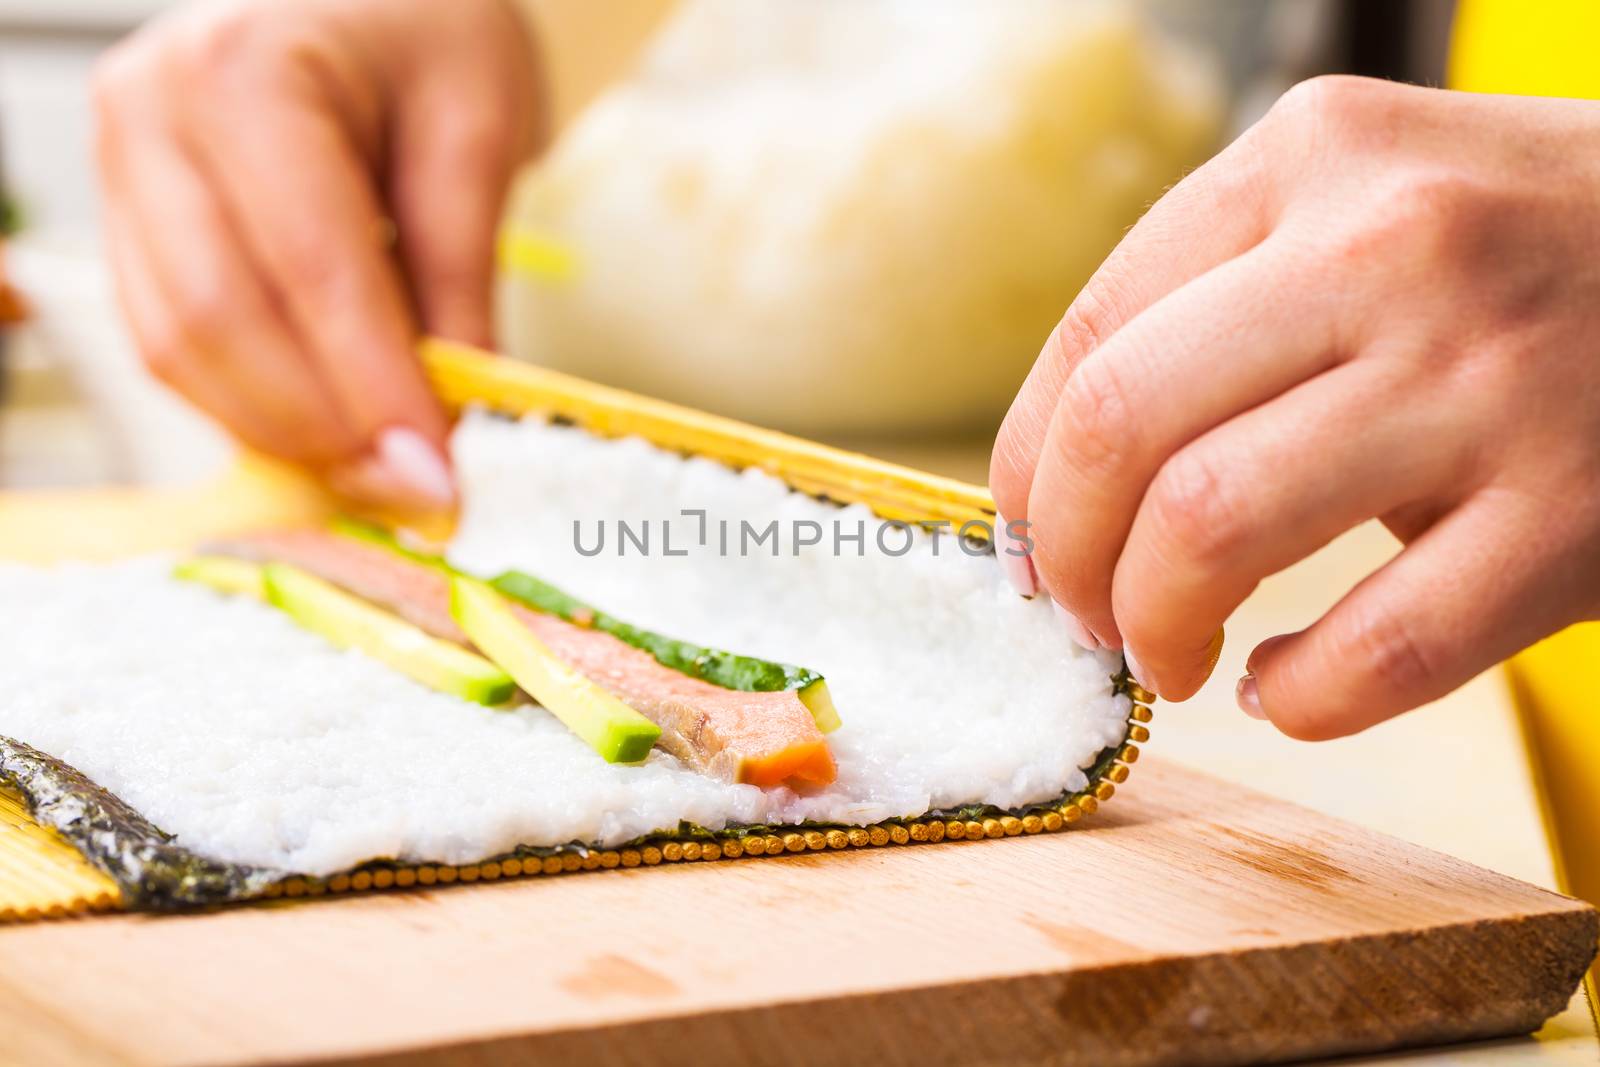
(256, 742)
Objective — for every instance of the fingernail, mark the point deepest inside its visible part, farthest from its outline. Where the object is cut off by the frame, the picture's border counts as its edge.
(1248, 698)
(1135, 670)
(1254, 659)
(416, 464)
(1077, 630)
(1018, 568)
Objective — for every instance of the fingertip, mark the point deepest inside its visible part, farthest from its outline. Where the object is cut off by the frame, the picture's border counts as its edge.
(403, 469)
(1014, 556)
(1186, 678)
(1080, 634)
(1066, 585)
(1303, 707)
(1009, 474)
(1140, 675)
(417, 464)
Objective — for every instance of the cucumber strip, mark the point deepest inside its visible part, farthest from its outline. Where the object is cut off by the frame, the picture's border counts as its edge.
(224, 574)
(726, 669)
(614, 730)
(376, 535)
(819, 702)
(350, 622)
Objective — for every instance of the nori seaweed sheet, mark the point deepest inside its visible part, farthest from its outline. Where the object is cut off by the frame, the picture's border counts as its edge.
(155, 874)
(152, 872)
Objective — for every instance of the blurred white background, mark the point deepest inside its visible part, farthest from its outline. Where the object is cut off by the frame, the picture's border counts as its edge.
(79, 411)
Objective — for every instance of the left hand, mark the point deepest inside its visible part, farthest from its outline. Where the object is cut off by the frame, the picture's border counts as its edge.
(295, 188)
(1381, 301)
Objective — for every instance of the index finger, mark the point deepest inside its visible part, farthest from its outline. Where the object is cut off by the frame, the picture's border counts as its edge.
(1218, 212)
(311, 215)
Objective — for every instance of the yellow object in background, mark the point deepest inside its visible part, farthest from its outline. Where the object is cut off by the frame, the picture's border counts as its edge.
(1543, 48)
(1549, 48)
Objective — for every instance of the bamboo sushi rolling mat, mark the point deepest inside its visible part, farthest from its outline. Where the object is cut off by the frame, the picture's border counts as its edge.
(322, 982)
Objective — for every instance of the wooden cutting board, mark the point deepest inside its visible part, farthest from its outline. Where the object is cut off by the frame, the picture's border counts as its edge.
(1190, 921)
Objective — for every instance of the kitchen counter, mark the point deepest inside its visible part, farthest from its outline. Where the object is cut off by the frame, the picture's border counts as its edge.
(1452, 776)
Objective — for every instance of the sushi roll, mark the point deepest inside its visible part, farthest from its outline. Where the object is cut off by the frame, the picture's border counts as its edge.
(203, 744)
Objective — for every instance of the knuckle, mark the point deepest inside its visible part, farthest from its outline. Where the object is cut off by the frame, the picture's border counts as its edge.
(1328, 99)
(1329, 116)
(108, 80)
(1011, 466)
(478, 142)
(226, 41)
(1441, 219)
(240, 56)
(1455, 216)
(1392, 652)
(118, 76)
(1369, 238)
(303, 258)
(205, 313)
(1097, 419)
(1195, 513)
(1088, 321)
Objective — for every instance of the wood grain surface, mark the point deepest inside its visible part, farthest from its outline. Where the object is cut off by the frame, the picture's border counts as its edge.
(1190, 922)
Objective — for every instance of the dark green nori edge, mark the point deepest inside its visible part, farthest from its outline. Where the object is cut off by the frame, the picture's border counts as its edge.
(151, 871)
(729, 670)
(155, 874)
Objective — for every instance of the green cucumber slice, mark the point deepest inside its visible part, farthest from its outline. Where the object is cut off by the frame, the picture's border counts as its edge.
(819, 702)
(350, 622)
(726, 669)
(224, 574)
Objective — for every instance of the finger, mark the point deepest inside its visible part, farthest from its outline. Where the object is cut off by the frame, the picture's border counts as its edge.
(162, 344)
(1218, 212)
(311, 217)
(1263, 491)
(1474, 589)
(1238, 336)
(232, 344)
(453, 166)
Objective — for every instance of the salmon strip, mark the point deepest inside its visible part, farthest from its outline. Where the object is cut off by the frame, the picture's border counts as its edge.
(764, 739)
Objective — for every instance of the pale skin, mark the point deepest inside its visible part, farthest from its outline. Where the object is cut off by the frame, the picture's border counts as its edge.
(1379, 302)
(293, 190)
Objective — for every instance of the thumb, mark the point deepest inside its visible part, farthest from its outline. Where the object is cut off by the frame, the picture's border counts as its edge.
(1485, 581)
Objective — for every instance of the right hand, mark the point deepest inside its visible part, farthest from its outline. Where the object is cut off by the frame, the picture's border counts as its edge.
(259, 158)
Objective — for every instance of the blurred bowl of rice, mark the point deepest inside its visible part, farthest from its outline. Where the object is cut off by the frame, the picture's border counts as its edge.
(854, 217)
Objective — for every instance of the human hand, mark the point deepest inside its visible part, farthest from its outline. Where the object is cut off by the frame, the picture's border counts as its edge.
(1381, 301)
(259, 159)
